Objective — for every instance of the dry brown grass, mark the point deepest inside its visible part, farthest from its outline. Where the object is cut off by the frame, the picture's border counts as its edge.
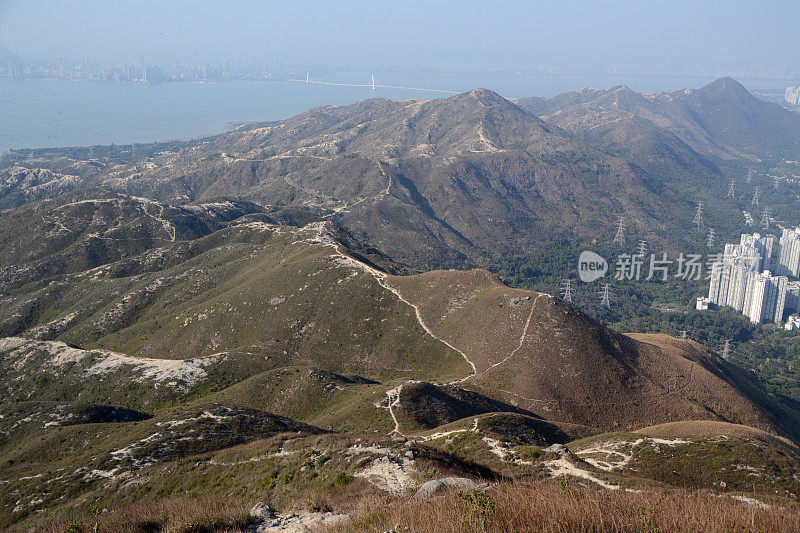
(173, 515)
(545, 506)
(565, 507)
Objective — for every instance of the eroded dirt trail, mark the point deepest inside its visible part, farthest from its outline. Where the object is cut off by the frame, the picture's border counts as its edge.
(381, 278)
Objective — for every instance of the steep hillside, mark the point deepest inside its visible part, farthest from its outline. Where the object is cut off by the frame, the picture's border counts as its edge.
(244, 316)
(541, 354)
(727, 112)
(698, 454)
(623, 122)
(463, 181)
(254, 290)
(62, 237)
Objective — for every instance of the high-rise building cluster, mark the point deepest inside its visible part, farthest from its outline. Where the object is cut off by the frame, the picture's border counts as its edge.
(793, 95)
(746, 279)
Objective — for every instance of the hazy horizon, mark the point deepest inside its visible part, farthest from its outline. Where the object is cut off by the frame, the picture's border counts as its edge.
(625, 35)
(517, 49)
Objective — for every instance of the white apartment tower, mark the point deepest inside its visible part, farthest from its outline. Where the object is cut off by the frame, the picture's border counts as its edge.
(767, 297)
(729, 277)
(789, 253)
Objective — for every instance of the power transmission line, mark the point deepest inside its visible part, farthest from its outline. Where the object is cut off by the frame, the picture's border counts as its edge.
(641, 249)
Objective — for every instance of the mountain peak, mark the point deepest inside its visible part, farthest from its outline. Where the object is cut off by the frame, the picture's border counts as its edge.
(486, 96)
(626, 95)
(622, 89)
(726, 86)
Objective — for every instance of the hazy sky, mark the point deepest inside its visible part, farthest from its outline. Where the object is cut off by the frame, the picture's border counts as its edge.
(645, 32)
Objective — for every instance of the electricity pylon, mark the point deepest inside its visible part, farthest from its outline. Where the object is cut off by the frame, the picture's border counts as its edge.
(698, 216)
(619, 238)
(566, 290)
(605, 296)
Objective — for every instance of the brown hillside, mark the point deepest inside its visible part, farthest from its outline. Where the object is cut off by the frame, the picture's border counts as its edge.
(568, 368)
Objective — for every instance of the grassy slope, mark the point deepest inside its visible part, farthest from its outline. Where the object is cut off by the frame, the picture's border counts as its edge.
(701, 454)
(310, 336)
(258, 294)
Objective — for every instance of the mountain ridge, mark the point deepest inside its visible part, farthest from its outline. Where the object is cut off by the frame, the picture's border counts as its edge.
(691, 115)
(458, 181)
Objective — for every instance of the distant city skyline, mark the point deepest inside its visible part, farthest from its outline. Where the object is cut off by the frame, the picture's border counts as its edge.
(636, 37)
(165, 69)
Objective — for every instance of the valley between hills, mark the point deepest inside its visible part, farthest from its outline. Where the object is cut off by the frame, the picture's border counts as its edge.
(321, 323)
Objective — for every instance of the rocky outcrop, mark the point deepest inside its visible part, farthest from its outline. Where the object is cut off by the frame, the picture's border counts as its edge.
(437, 486)
(266, 520)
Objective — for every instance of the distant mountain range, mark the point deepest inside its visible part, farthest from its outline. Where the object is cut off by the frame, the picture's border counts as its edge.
(460, 180)
(719, 120)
